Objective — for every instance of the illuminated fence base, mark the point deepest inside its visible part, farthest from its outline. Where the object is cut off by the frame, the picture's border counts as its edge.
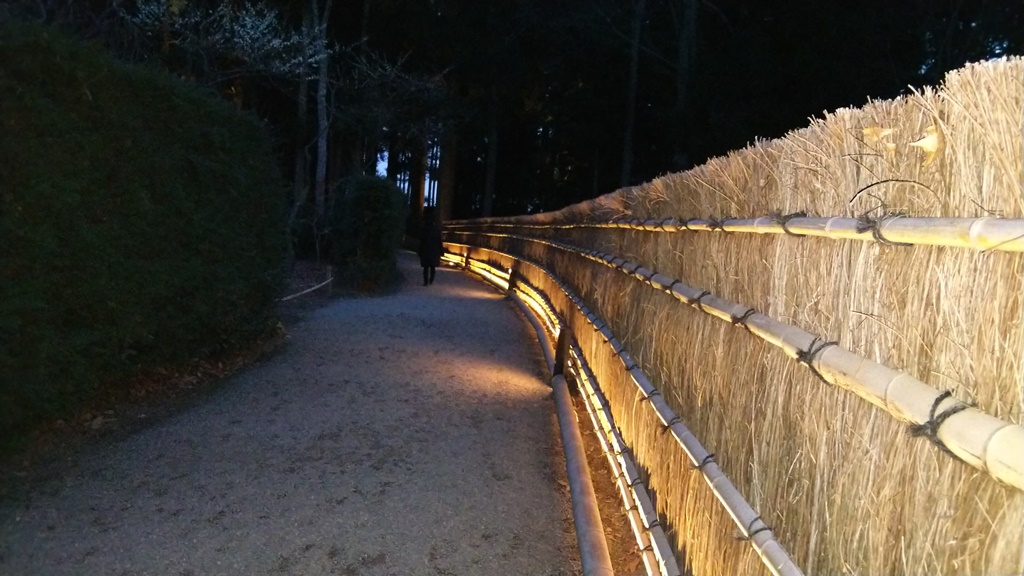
(656, 550)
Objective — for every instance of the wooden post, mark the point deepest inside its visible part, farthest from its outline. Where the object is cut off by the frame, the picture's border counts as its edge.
(562, 350)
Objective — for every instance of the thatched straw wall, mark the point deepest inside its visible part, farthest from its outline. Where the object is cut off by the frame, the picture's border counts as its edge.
(844, 487)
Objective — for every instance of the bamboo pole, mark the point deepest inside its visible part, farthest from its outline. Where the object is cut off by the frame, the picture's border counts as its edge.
(650, 536)
(589, 530)
(754, 530)
(542, 337)
(488, 272)
(594, 556)
(979, 439)
(639, 506)
(1002, 234)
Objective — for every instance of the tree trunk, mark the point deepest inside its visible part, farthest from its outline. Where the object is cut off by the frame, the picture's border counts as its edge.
(394, 158)
(446, 174)
(490, 183)
(639, 8)
(364, 27)
(300, 183)
(323, 123)
(417, 177)
(357, 159)
(684, 17)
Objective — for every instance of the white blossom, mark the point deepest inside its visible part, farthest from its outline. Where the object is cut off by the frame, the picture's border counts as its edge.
(254, 36)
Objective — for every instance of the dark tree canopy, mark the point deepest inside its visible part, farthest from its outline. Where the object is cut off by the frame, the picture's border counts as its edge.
(538, 104)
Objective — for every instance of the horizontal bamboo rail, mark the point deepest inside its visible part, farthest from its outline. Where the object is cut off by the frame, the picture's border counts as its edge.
(655, 550)
(593, 547)
(978, 439)
(1002, 234)
(749, 522)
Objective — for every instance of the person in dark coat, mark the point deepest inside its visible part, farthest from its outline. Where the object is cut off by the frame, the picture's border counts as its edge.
(431, 246)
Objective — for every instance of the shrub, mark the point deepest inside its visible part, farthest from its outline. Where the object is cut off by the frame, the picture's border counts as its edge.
(141, 223)
(366, 229)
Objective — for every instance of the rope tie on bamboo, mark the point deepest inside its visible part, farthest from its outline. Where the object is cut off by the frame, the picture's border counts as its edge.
(930, 429)
(866, 223)
(697, 302)
(742, 319)
(750, 534)
(717, 225)
(648, 397)
(783, 219)
(686, 223)
(667, 427)
(806, 357)
(707, 460)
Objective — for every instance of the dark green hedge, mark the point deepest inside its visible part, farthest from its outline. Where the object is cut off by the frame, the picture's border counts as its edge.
(366, 226)
(141, 223)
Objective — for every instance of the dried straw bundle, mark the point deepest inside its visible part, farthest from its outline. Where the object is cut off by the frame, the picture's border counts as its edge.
(844, 487)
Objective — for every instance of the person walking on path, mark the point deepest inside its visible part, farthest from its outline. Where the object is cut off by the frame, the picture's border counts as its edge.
(431, 246)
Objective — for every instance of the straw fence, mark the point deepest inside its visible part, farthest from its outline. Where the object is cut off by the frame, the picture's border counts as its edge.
(835, 315)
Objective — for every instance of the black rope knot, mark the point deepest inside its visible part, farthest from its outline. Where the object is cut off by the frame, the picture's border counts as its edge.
(866, 223)
(648, 397)
(742, 319)
(718, 225)
(806, 357)
(930, 428)
(667, 427)
(698, 301)
(707, 460)
(686, 223)
(750, 534)
(783, 219)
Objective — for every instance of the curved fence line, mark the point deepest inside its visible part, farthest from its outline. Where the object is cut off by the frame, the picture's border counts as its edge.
(753, 529)
(1001, 234)
(975, 437)
(307, 290)
(655, 549)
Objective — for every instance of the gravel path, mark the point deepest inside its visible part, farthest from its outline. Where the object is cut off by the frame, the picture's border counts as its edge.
(406, 435)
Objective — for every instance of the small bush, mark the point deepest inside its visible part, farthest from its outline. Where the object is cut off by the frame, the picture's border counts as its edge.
(141, 223)
(366, 229)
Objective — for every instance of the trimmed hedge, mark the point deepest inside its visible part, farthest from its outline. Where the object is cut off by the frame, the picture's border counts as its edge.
(366, 226)
(141, 223)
